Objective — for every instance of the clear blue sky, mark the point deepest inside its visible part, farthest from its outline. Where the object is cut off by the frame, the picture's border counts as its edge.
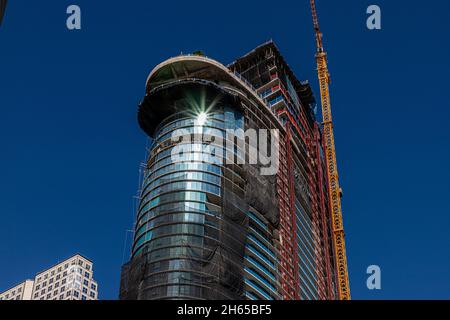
(70, 144)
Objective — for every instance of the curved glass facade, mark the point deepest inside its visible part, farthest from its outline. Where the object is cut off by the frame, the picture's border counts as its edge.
(180, 220)
(260, 260)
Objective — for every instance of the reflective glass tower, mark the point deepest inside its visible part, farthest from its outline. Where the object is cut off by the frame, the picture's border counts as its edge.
(207, 228)
(180, 227)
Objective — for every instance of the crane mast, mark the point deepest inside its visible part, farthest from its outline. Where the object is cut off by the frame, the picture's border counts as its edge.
(332, 173)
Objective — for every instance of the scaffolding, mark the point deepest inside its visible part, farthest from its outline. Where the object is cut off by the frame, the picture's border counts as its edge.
(301, 168)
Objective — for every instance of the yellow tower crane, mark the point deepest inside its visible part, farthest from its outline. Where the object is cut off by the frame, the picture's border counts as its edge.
(332, 173)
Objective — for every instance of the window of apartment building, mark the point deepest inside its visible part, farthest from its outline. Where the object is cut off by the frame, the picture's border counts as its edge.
(92, 294)
(58, 277)
(83, 297)
(57, 285)
(18, 298)
(64, 273)
(85, 290)
(43, 291)
(52, 273)
(55, 293)
(76, 294)
(63, 281)
(68, 294)
(39, 279)
(38, 287)
(36, 294)
(87, 274)
(50, 288)
(19, 290)
(66, 266)
(63, 288)
(80, 263)
(93, 286)
(50, 281)
(49, 296)
(88, 267)
(44, 283)
(61, 297)
(85, 282)
(13, 293)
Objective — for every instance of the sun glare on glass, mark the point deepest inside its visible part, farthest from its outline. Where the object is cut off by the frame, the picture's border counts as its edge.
(201, 118)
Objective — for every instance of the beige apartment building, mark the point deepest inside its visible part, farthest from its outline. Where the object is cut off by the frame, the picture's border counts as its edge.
(71, 279)
(22, 291)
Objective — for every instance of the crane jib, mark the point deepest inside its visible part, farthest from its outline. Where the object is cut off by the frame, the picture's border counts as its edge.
(330, 158)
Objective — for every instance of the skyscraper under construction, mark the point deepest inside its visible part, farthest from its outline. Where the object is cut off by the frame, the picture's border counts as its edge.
(208, 229)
